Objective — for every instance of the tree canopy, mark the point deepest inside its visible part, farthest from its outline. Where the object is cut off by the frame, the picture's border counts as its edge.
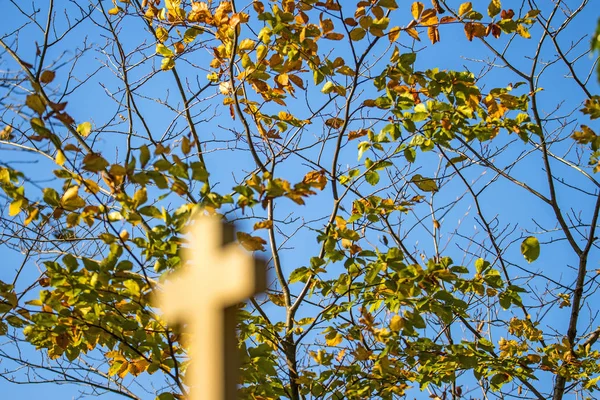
(420, 177)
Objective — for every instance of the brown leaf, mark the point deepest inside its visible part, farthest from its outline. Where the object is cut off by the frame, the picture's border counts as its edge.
(356, 134)
(251, 243)
(296, 80)
(334, 36)
(62, 340)
(350, 22)
(496, 31)
(47, 76)
(434, 34)
(507, 14)
(179, 47)
(447, 20)
(335, 123)
(437, 6)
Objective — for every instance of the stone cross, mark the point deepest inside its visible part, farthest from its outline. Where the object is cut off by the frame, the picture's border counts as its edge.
(203, 296)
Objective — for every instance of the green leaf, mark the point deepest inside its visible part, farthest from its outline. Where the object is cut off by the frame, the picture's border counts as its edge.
(144, 155)
(530, 248)
(410, 154)
(425, 184)
(299, 275)
(372, 177)
(199, 173)
(165, 396)
(357, 34)
(494, 8)
(51, 197)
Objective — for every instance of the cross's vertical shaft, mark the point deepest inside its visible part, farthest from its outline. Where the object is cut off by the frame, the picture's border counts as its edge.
(204, 295)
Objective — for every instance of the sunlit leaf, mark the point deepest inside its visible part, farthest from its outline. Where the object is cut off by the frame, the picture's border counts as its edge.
(465, 8)
(84, 129)
(530, 248)
(416, 9)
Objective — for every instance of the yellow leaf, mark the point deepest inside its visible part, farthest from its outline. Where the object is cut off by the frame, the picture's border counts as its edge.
(334, 340)
(114, 10)
(167, 63)
(5, 134)
(429, 17)
(138, 366)
(91, 186)
(32, 215)
(162, 34)
(465, 8)
(315, 179)
(251, 243)
(247, 44)
(36, 103)
(123, 370)
(416, 9)
(84, 129)
(71, 193)
(266, 224)
(412, 32)
(394, 34)
(397, 323)
(523, 31)
(140, 197)
(15, 207)
(60, 158)
(172, 4)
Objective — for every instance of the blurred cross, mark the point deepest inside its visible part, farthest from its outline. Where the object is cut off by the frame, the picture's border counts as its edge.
(217, 276)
